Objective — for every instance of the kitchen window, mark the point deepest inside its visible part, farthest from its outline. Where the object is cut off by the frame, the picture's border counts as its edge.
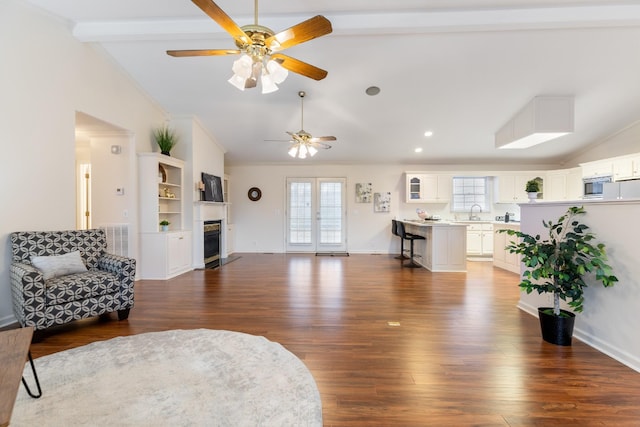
(469, 191)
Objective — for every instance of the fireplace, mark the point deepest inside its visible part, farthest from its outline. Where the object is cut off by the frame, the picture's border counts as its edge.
(212, 243)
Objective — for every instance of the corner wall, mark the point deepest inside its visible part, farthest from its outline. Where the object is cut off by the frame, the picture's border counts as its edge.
(609, 321)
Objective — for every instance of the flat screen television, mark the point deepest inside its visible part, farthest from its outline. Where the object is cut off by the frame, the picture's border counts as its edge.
(212, 188)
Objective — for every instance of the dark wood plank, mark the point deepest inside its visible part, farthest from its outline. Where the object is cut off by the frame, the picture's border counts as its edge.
(463, 354)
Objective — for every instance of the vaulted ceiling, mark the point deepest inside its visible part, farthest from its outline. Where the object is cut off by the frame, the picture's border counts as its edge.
(459, 68)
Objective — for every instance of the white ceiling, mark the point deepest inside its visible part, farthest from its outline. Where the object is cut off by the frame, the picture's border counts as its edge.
(460, 68)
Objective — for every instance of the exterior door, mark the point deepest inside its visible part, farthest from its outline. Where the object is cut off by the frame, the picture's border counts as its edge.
(315, 213)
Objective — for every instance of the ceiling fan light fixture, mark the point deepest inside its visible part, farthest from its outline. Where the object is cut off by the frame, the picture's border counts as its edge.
(293, 151)
(237, 81)
(242, 66)
(268, 85)
(312, 150)
(277, 71)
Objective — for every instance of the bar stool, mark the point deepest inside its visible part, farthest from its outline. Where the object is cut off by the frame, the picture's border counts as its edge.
(411, 238)
(394, 230)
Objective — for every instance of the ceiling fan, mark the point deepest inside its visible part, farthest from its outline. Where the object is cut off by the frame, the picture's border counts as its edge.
(259, 46)
(302, 142)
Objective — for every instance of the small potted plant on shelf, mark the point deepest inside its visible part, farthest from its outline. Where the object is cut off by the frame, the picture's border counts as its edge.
(532, 188)
(166, 139)
(558, 265)
(164, 225)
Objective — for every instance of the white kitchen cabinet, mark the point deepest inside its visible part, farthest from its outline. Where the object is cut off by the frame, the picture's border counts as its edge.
(627, 167)
(597, 168)
(164, 255)
(564, 184)
(480, 239)
(502, 258)
(511, 187)
(428, 188)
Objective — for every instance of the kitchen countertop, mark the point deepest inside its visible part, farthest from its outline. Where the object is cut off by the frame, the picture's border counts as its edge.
(431, 223)
(456, 222)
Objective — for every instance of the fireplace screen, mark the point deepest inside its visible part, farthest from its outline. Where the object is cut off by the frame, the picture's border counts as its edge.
(211, 243)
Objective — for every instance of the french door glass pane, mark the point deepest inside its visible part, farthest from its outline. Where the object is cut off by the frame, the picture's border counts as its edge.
(300, 213)
(330, 213)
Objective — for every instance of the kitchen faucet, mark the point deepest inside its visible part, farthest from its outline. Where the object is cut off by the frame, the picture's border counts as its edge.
(471, 216)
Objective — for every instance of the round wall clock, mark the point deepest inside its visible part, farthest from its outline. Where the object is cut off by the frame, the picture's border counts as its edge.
(254, 194)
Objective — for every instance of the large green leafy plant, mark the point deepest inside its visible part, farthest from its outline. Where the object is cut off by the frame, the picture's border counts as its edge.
(559, 264)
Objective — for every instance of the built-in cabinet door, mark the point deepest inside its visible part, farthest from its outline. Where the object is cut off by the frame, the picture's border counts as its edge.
(598, 168)
(626, 168)
(428, 188)
(563, 185)
(511, 187)
(479, 239)
(178, 252)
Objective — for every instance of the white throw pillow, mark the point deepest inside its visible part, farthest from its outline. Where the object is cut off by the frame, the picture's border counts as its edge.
(59, 265)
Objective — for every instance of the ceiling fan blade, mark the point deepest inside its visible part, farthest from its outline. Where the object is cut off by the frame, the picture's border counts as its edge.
(323, 138)
(299, 67)
(202, 52)
(321, 145)
(218, 15)
(308, 30)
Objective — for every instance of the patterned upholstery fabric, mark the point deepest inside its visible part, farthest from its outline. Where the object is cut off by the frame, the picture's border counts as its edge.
(107, 286)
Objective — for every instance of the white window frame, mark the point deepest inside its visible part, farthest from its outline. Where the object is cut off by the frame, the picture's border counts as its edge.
(470, 190)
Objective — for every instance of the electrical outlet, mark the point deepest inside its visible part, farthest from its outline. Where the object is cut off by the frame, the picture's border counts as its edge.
(120, 191)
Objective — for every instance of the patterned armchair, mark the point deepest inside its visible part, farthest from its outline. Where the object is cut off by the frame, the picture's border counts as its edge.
(102, 285)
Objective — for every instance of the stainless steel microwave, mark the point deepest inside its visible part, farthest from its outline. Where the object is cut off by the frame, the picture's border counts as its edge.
(593, 186)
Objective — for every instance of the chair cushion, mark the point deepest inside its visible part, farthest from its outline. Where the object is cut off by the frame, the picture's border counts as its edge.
(59, 265)
(76, 287)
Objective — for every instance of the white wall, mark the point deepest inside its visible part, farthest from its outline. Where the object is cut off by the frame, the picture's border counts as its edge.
(45, 77)
(111, 171)
(609, 321)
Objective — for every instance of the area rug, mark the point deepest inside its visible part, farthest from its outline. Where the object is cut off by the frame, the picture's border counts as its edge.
(195, 377)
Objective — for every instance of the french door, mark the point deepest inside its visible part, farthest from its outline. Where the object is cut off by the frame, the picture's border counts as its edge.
(315, 214)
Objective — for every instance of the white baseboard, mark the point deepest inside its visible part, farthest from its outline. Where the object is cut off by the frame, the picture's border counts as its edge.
(8, 320)
(602, 346)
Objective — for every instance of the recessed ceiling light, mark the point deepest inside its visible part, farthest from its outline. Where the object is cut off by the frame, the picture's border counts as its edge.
(428, 133)
(372, 90)
(418, 150)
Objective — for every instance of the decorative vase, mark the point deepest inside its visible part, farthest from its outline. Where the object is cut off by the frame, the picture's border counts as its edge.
(166, 153)
(556, 329)
(533, 197)
(164, 227)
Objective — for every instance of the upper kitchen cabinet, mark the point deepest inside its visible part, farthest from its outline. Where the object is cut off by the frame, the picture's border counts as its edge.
(510, 187)
(428, 188)
(597, 168)
(564, 184)
(627, 167)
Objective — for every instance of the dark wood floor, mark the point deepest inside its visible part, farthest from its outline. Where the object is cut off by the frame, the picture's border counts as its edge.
(390, 346)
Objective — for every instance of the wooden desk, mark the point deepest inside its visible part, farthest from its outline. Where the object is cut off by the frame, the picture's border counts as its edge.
(14, 347)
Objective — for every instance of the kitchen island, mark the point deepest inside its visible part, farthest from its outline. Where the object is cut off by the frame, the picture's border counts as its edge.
(444, 248)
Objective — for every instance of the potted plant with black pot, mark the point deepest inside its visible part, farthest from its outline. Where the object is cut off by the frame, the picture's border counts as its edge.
(532, 187)
(559, 265)
(166, 139)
